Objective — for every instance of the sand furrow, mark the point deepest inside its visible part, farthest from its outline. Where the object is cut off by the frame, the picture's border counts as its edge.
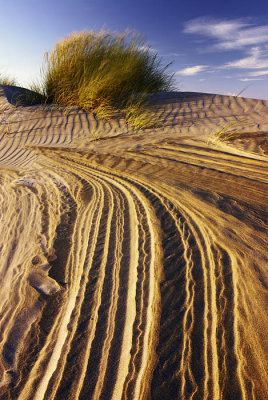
(60, 333)
(136, 274)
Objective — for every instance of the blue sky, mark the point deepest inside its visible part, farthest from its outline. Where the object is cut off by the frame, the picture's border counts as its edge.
(218, 46)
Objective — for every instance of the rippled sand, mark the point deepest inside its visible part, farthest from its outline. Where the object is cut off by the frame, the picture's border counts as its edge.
(133, 265)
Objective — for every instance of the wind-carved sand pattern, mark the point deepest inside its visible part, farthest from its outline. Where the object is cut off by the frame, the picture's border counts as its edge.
(134, 266)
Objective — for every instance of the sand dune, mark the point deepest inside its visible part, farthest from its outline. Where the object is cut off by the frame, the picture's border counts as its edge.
(133, 265)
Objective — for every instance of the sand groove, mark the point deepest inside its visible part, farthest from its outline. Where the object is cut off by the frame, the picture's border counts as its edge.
(132, 269)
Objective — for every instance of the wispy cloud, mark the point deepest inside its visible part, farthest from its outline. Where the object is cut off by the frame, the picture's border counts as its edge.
(258, 73)
(256, 60)
(228, 34)
(250, 79)
(191, 70)
(243, 35)
(171, 55)
(174, 54)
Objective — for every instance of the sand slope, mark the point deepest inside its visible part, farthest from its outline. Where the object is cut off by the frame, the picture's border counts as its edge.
(133, 266)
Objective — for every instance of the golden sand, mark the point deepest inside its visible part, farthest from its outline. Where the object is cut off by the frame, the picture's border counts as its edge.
(134, 264)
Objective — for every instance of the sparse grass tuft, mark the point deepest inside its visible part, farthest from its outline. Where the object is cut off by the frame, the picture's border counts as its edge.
(105, 73)
(230, 131)
(5, 80)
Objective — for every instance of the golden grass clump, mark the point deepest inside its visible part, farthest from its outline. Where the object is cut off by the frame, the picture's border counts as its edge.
(104, 73)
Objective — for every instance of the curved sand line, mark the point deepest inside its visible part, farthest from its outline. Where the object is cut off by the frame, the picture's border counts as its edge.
(133, 266)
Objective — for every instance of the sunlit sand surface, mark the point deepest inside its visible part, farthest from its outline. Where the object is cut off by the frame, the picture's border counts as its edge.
(133, 265)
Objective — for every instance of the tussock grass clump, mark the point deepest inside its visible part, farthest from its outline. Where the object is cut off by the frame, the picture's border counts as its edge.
(104, 73)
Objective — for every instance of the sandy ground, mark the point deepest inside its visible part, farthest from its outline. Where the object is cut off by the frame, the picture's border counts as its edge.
(134, 264)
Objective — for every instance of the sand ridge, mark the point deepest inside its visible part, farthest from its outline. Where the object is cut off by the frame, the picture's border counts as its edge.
(133, 264)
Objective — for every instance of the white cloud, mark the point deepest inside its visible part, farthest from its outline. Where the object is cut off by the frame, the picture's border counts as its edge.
(250, 79)
(228, 34)
(258, 73)
(175, 54)
(191, 70)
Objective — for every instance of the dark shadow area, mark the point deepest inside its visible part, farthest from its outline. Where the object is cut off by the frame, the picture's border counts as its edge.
(18, 96)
